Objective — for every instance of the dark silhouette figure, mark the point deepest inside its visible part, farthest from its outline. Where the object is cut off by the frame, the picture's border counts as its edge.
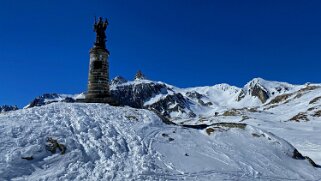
(100, 28)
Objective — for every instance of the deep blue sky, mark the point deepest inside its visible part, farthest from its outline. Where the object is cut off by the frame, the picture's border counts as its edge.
(44, 45)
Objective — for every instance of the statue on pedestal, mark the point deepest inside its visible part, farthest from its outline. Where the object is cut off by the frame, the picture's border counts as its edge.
(100, 28)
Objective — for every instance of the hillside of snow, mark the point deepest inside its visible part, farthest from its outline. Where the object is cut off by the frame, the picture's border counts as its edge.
(122, 143)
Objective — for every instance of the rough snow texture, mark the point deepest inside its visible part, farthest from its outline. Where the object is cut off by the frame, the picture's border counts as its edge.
(122, 143)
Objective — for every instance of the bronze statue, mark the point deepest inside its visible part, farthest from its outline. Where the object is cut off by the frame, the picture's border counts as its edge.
(100, 28)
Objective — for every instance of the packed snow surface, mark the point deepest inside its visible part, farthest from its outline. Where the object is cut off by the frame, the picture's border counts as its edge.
(122, 143)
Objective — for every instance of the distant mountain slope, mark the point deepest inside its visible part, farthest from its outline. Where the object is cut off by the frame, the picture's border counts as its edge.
(175, 102)
(178, 103)
(121, 143)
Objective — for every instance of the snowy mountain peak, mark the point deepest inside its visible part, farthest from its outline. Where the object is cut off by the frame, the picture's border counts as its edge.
(118, 80)
(139, 75)
(264, 89)
(269, 86)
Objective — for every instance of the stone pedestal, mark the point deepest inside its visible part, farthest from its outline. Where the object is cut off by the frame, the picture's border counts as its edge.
(98, 77)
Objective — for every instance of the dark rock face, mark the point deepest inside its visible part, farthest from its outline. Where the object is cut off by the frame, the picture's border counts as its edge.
(198, 97)
(240, 96)
(135, 95)
(6, 108)
(172, 103)
(194, 95)
(298, 156)
(260, 92)
(255, 89)
(47, 99)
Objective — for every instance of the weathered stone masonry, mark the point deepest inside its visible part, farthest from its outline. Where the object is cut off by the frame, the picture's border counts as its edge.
(98, 77)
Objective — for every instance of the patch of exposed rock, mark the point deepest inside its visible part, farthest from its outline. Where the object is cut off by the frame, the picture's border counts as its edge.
(317, 113)
(280, 98)
(198, 97)
(232, 112)
(260, 93)
(48, 99)
(313, 101)
(138, 93)
(7, 108)
(300, 117)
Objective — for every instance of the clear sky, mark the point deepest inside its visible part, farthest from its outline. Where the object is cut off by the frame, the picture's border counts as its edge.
(44, 44)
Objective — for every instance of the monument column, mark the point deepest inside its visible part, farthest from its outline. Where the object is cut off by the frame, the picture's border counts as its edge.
(98, 76)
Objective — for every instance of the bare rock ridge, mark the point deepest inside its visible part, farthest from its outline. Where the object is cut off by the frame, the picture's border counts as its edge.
(260, 93)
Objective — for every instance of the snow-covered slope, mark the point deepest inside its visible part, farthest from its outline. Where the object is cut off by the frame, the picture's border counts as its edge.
(294, 115)
(121, 143)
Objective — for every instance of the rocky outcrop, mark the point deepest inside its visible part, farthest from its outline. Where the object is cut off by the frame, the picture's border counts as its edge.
(300, 117)
(7, 108)
(48, 99)
(280, 98)
(264, 90)
(175, 103)
(138, 93)
(240, 96)
(198, 98)
(259, 92)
